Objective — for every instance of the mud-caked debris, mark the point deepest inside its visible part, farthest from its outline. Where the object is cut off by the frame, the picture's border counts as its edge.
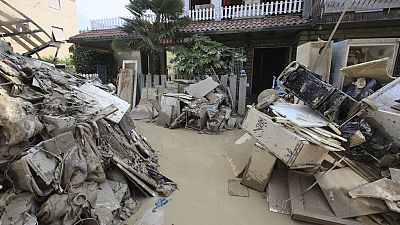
(69, 150)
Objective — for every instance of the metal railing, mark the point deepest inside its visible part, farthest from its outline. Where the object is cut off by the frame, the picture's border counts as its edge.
(115, 22)
(218, 13)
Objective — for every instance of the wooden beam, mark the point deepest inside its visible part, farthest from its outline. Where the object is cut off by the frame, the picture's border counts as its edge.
(28, 40)
(13, 22)
(26, 17)
(20, 33)
(25, 46)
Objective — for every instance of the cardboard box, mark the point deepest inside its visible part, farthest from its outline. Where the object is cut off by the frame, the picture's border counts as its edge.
(292, 149)
(259, 169)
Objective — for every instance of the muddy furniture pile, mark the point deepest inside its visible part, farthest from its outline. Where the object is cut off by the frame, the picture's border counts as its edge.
(332, 157)
(69, 153)
(204, 106)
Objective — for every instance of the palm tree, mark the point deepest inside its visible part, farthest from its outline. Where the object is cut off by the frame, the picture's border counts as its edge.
(164, 24)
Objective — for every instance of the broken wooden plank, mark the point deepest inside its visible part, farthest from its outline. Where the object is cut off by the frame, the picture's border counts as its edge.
(178, 120)
(328, 133)
(328, 143)
(384, 189)
(311, 206)
(104, 99)
(137, 182)
(202, 88)
(278, 192)
(336, 185)
(141, 176)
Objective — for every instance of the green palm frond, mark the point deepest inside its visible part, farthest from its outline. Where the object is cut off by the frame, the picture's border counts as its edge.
(168, 22)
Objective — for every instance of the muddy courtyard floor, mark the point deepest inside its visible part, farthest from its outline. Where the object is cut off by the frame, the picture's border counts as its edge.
(196, 162)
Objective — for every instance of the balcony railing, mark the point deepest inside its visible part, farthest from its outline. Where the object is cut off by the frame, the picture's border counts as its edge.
(247, 11)
(219, 13)
(115, 22)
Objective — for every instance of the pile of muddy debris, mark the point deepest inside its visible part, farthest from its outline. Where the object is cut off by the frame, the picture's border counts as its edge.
(331, 158)
(204, 106)
(69, 152)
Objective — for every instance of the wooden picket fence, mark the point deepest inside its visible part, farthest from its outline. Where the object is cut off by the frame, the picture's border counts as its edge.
(235, 84)
(245, 11)
(242, 11)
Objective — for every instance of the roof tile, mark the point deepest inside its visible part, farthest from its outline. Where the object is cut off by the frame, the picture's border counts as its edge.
(99, 34)
(204, 26)
(251, 23)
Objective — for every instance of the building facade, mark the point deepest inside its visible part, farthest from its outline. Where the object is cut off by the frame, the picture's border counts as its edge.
(58, 18)
(269, 31)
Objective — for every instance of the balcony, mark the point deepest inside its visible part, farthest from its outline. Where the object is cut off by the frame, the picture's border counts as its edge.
(219, 13)
(246, 11)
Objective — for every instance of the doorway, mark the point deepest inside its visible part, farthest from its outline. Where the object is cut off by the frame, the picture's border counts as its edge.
(268, 62)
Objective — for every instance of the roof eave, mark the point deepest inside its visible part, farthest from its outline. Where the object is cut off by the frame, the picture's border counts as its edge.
(101, 39)
(253, 30)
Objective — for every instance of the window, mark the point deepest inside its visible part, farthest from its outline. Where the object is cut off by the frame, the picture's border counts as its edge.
(58, 34)
(55, 4)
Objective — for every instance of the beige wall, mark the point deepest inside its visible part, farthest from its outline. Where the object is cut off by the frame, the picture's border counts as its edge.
(46, 17)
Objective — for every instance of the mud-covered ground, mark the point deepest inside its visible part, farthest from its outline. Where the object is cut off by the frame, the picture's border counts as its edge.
(196, 162)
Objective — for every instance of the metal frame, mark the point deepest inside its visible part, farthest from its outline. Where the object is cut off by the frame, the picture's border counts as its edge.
(32, 44)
